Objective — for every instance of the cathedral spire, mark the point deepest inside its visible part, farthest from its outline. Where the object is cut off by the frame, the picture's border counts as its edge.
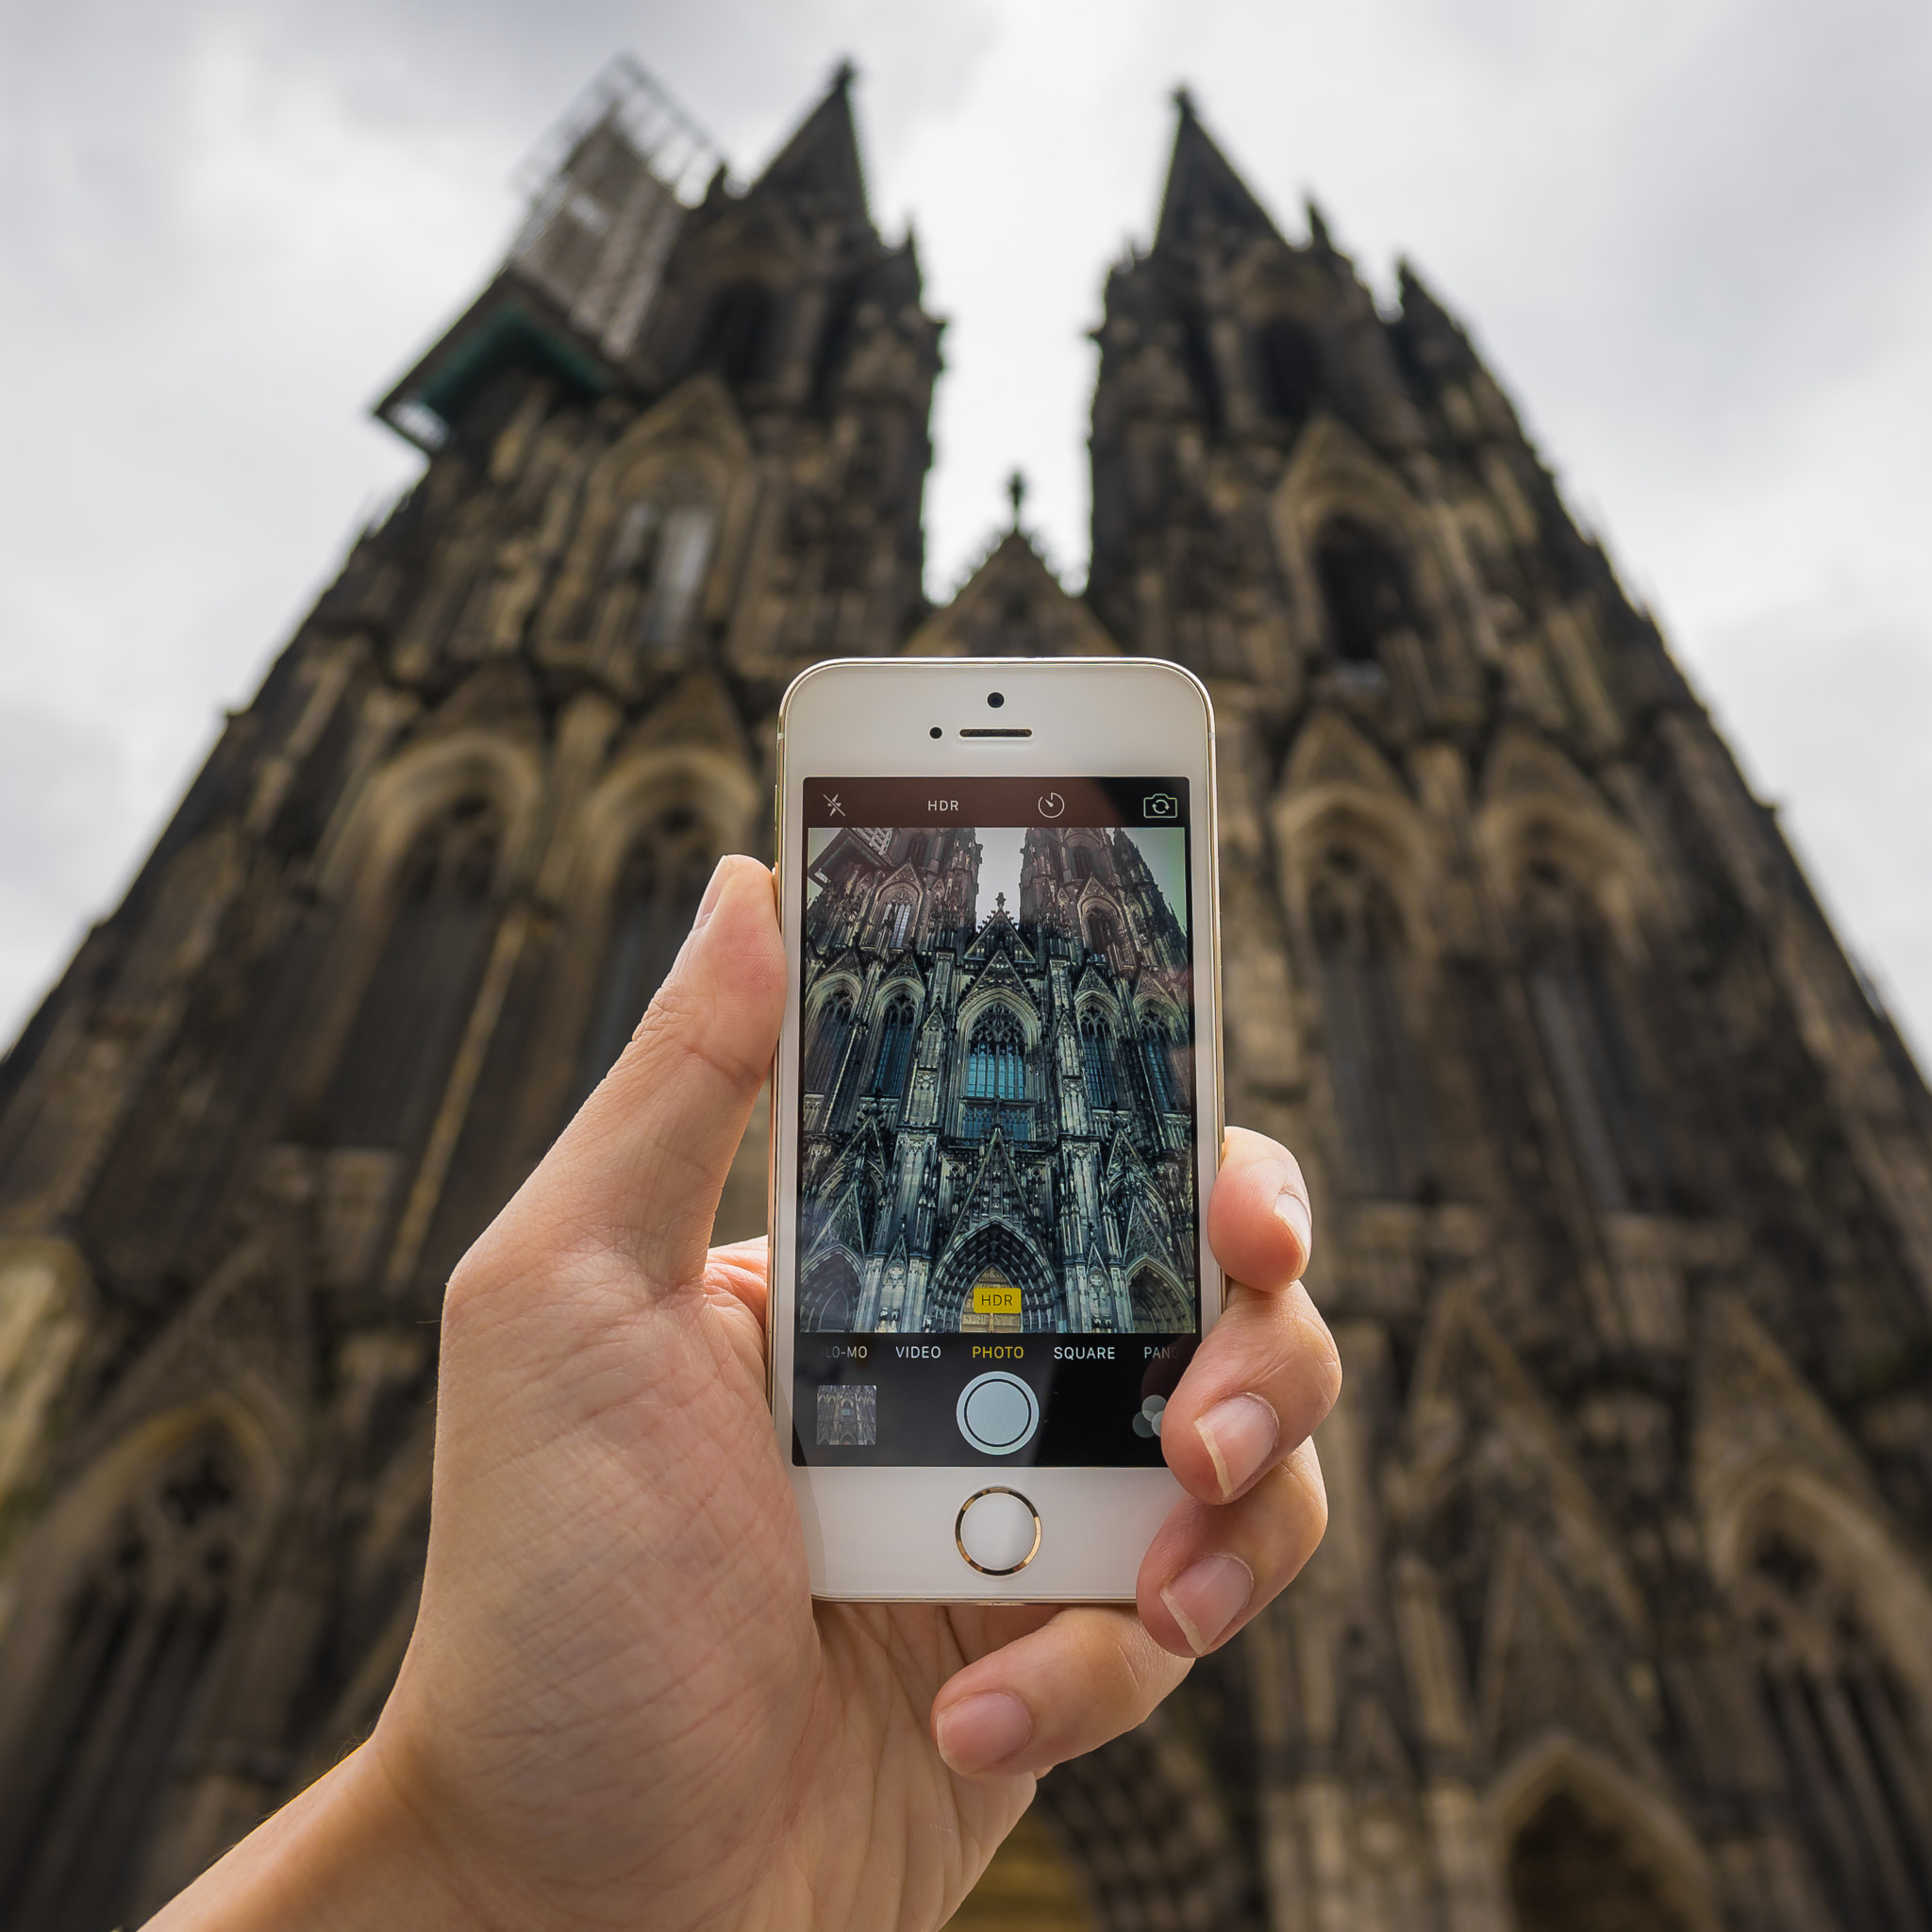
(1202, 187)
(1433, 341)
(820, 164)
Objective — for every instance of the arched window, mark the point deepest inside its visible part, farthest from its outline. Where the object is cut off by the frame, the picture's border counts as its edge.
(896, 923)
(1153, 1059)
(829, 1298)
(1591, 1053)
(117, 1707)
(738, 332)
(895, 1050)
(1567, 1871)
(1180, 1059)
(397, 1057)
(1379, 1091)
(1854, 1750)
(1100, 929)
(1096, 1055)
(657, 894)
(1286, 370)
(997, 1058)
(916, 849)
(1081, 859)
(828, 1043)
(1364, 590)
(666, 545)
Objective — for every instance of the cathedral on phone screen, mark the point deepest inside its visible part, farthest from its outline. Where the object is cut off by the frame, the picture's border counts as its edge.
(997, 1236)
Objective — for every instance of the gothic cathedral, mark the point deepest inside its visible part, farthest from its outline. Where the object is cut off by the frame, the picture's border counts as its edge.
(1624, 1177)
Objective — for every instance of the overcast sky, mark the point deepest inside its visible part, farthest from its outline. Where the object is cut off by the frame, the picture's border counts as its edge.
(1693, 239)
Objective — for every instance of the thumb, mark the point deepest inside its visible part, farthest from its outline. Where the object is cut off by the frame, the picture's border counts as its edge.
(647, 1155)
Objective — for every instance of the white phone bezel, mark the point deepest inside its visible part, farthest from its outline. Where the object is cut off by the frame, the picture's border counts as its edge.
(888, 1535)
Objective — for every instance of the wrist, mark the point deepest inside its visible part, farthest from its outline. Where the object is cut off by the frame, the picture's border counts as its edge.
(349, 1854)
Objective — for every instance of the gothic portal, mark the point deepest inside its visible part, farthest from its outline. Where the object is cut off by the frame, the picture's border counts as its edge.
(1623, 1176)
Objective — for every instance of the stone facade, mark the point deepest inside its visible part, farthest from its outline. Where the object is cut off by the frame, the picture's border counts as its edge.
(991, 1100)
(1623, 1180)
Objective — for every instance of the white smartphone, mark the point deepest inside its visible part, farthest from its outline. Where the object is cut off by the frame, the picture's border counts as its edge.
(996, 1116)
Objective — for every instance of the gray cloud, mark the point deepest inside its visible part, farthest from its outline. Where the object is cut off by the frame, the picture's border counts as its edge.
(1691, 234)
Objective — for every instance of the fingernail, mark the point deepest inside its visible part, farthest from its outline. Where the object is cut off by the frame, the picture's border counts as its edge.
(1294, 1213)
(1240, 1435)
(1206, 1597)
(979, 1732)
(709, 904)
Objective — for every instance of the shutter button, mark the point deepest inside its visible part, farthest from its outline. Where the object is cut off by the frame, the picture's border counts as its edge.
(997, 1413)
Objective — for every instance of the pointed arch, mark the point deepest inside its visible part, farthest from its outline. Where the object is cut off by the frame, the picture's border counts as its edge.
(1586, 1841)
(1364, 581)
(664, 516)
(397, 1050)
(653, 904)
(1834, 1616)
(1016, 1254)
(1098, 1049)
(829, 1294)
(830, 1036)
(1589, 1035)
(1361, 948)
(1161, 1303)
(1570, 1817)
(135, 1579)
(892, 1060)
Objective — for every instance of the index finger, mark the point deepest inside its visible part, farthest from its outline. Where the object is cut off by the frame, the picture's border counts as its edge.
(1259, 1221)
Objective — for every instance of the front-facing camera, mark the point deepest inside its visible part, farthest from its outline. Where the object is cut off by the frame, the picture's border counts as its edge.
(935, 732)
(996, 698)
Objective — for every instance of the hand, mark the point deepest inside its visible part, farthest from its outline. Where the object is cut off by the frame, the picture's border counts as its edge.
(621, 1707)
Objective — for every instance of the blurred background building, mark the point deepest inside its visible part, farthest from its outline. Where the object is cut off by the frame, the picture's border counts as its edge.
(1624, 1619)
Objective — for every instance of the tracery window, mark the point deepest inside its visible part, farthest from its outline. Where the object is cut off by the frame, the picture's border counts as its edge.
(828, 1043)
(1855, 1752)
(1588, 1038)
(657, 898)
(1096, 1055)
(118, 1700)
(1100, 929)
(895, 923)
(997, 1058)
(895, 1049)
(1153, 1059)
(738, 331)
(1285, 363)
(393, 1062)
(1379, 1091)
(666, 545)
(1364, 588)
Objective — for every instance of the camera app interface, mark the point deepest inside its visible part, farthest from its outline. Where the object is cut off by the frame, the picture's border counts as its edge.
(997, 1246)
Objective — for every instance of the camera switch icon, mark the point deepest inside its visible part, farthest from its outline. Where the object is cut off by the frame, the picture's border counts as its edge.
(1160, 804)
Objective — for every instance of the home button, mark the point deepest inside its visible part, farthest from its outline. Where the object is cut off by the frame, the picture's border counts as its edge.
(997, 1531)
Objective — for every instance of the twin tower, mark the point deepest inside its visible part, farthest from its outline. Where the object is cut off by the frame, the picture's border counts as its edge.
(1623, 1180)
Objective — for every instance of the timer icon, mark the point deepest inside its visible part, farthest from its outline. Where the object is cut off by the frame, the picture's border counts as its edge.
(1052, 806)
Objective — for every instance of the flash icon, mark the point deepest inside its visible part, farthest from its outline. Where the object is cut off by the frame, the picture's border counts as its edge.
(833, 809)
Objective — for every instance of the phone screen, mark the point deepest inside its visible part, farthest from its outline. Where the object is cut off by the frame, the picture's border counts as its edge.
(998, 1246)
